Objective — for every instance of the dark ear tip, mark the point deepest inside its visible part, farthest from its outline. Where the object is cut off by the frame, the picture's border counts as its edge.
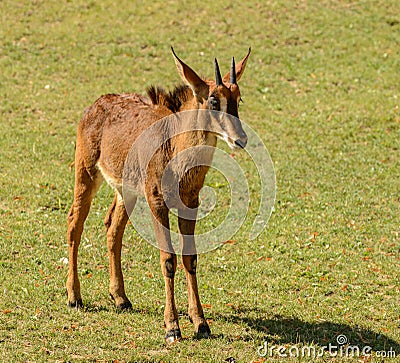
(173, 51)
(175, 56)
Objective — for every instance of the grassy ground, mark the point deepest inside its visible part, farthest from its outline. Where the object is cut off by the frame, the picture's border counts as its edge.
(322, 90)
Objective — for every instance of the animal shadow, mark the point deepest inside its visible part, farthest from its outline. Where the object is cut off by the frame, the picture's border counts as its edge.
(281, 330)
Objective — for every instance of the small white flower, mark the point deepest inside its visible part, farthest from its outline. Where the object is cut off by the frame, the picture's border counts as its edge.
(64, 260)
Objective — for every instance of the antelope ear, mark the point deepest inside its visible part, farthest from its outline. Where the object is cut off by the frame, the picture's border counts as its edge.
(239, 69)
(189, 76)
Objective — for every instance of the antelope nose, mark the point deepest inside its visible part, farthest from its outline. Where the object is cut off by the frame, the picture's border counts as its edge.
(240, 143)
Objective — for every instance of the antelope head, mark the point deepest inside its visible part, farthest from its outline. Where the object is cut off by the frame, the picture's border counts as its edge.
(221, 94)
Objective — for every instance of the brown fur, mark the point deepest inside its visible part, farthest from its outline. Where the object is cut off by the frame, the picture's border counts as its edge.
(105, 136)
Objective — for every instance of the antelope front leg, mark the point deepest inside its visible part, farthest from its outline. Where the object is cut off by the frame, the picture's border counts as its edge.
(168, 267)
(189, 259)
(168, 262)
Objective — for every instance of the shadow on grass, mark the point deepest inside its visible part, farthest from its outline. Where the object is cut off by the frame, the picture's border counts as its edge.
(96, 307)
(281, 330)
(89, 307)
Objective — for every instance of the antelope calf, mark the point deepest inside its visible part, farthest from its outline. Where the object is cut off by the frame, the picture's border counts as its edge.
(105, 136)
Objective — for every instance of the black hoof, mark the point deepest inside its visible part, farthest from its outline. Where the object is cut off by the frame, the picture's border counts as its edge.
(172, 336)
(204, 331)
(75, 304)
(125, 306)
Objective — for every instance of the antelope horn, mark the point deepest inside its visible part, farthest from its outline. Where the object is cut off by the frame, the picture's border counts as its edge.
(218, 78)
(233, 72)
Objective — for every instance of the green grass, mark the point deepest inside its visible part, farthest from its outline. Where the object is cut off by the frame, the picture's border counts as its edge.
(322, 90)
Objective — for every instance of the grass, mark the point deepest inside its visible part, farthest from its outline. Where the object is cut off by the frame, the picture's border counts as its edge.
(322, 90)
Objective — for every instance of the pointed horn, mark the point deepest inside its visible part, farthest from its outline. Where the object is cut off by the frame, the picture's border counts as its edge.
(218, 78)
(233, 72)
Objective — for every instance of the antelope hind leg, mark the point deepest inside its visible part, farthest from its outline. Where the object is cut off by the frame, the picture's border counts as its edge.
(86, 187)
(115, 223)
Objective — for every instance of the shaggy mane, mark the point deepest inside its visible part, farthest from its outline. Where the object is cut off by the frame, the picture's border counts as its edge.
(172, 99)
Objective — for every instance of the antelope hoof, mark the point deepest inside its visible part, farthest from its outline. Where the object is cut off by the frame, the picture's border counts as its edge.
(124, 306)
(172, 336)
(77, 304)
(203, 331)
